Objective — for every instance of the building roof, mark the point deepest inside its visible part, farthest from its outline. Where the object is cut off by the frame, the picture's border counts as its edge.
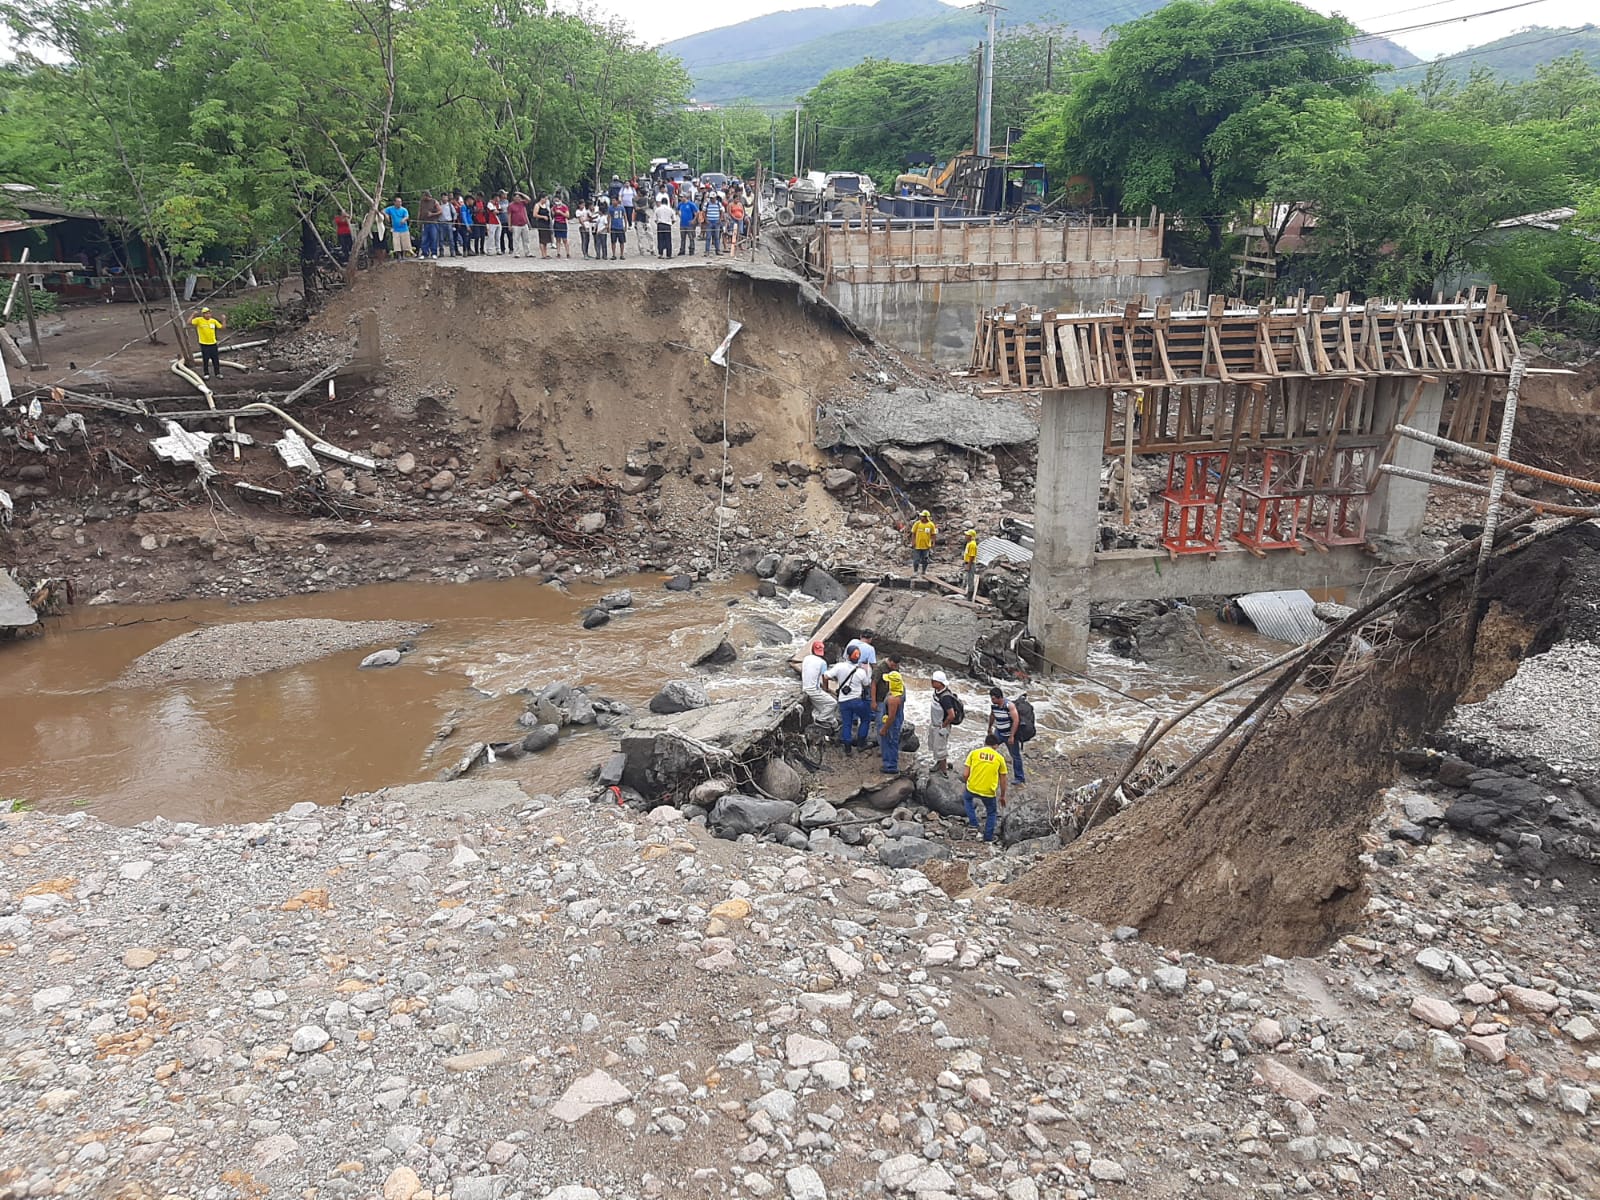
(9, 225)
(31, 199)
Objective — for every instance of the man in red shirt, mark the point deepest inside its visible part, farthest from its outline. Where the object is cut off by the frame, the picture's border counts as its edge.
(521, 231)
(341, 227)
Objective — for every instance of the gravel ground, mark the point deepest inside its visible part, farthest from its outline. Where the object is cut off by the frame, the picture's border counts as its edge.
(558, 1000)
(1549, 711)
(241, 648)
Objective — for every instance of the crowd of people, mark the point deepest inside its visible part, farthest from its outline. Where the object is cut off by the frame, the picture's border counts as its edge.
(684, 216)
(861, 700)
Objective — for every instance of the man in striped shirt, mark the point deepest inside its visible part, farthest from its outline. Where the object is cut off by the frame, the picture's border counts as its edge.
(712, 217)
(1004, 724)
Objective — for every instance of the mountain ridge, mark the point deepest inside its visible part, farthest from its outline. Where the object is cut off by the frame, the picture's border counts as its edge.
(774, 58)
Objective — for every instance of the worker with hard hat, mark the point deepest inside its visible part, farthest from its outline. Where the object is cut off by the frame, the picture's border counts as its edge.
(923, 531)
(969, 562)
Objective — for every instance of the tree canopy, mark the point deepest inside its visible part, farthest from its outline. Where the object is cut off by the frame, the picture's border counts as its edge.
(220, 125)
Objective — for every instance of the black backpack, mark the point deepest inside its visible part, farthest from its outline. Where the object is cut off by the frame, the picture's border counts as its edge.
(958, 708)
(1025, 726)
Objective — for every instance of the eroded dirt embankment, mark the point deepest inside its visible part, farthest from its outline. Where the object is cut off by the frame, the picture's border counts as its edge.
(1271, 864)
(511, 407)
(575, 371)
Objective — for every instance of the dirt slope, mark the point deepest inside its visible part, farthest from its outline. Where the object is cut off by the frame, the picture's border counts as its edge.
(566, 373)
(1271, 865)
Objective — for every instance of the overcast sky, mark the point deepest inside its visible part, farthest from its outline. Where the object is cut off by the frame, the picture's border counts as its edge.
(657, 22)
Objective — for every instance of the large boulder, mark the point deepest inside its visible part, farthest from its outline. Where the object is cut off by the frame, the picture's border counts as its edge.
(736, 815)
(915, 464)
(816, 812)
(542, 737)
(767, 566)
(782, 782)
(612, 601)
(840, 482)
(819, 585)
(593, 618)
(714, 650)
(1025, 818)
(943, 794)
(679, 695)
(1174, 640)
(791, 570)
(901, 853)
(890, 796)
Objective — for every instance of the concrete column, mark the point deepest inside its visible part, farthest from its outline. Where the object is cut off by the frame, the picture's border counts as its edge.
(1399, 506)
(1066, 522)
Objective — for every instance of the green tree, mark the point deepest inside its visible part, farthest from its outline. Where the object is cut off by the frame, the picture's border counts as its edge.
(1175, 112)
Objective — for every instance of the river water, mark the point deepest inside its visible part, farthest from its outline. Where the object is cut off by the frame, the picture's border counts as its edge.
(240, 750)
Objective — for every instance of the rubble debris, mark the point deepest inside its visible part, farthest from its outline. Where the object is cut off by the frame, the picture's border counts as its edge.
(296, 453)
(185, 447)
(914, 417)
(15, 611)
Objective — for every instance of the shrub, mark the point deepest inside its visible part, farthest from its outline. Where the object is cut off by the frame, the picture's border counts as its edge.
(254, 313)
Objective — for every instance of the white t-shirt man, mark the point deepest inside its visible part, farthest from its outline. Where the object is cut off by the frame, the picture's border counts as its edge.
(664, 214)
(811, 672)
(852, 679)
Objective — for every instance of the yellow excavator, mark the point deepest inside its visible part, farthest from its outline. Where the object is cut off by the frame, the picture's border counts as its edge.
(934, 181)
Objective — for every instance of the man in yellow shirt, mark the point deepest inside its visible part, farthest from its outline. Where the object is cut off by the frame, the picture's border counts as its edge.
(969, 559)
(923, 531)
(205, 330)
(985, 775)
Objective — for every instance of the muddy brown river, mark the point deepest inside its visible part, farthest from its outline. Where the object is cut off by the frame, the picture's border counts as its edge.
(72, 739)
(243, 749)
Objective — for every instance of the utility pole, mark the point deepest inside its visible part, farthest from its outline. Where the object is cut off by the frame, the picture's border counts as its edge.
(797, 139)
(1049, 60)
(722, 134)
(986, 92)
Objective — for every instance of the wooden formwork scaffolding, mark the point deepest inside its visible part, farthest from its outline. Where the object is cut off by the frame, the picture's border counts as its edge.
(1289, 365)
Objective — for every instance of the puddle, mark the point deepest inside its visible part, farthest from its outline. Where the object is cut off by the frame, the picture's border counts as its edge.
(244, 749)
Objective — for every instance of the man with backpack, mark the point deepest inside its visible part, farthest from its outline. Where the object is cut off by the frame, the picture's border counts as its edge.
(1005, 722)
(947, 711)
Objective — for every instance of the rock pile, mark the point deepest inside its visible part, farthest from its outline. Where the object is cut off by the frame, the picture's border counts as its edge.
(559, 1000)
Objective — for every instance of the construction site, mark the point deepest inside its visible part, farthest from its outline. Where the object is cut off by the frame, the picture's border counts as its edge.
(407, 787)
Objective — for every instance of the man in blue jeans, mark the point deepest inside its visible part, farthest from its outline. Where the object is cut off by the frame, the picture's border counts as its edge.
(1005, 724)
(853, 683)
(894, 715)
(985, 776)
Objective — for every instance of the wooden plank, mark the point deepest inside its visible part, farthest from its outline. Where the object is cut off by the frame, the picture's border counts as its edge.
(834, 621)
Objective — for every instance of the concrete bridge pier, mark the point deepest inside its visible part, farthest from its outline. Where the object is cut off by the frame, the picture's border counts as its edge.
(1399, 506)
(1066, 522)
(1069, 573)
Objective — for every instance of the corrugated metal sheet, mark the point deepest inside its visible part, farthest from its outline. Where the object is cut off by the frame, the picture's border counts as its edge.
(993, 549)
(1284, 616)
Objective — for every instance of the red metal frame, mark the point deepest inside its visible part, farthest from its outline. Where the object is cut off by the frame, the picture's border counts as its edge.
(1191, 517)
(1271, 503)
(1338, 510)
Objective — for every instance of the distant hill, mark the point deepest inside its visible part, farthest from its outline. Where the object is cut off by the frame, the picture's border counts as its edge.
(775, 58)
(1516, 57)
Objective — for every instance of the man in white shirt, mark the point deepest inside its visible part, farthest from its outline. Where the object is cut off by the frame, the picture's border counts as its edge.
(664, 215)
(824, 708)
(852, 680)
(869, 659)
